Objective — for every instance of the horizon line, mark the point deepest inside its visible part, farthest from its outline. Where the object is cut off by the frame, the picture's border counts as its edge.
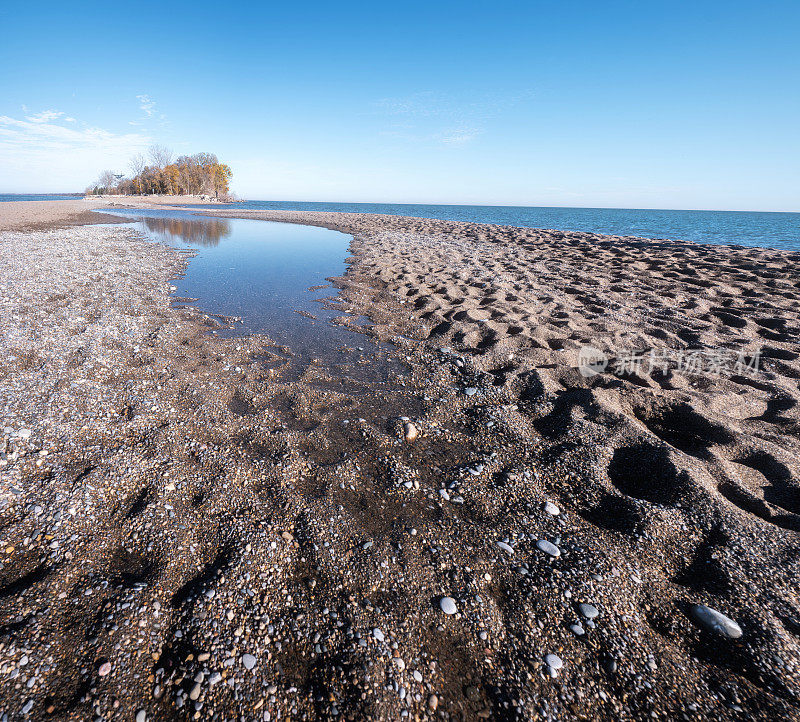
(463, 205)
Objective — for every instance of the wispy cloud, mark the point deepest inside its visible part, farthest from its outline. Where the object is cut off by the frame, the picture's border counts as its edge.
(459, 136)
(147, 105)
(49, 147)
(441, 118)
(37, 133)
(45, 116)
(150, 113)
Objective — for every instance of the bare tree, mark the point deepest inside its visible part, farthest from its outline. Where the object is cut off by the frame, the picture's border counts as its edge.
(107, 180)
(160, 155)
(138, 164)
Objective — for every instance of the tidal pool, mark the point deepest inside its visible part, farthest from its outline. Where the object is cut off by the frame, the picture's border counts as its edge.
(272, 276)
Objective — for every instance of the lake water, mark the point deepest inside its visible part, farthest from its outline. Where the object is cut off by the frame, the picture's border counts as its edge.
(747, 228)
(261, 272)
(771, 230)
(5, 197)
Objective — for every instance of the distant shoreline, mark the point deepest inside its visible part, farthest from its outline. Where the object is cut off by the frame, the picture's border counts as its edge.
(765, 230)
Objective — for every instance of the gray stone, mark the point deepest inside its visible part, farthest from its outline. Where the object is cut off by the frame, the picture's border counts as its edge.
(588, 610)
(551, 508)
(448, 605)
(548, 548)
(507, 548)
(716, 622)
(553, 661)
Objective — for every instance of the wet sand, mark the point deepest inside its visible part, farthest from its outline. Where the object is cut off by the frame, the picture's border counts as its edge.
(188, 532)
(41, 215)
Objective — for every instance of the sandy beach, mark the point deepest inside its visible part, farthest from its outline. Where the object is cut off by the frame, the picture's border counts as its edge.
(189, 532)
(41, 215)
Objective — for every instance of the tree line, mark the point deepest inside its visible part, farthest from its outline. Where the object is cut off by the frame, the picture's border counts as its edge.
(199, 174)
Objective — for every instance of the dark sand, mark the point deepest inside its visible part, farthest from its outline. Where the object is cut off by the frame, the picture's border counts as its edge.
(181, 503)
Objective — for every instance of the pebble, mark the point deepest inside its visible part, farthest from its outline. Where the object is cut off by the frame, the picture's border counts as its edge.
(411, 432)
(548, 548)
(448, 605)
(471, 391)
(378, 634)
(433, 702)
(507, 548)
(249, 661)
(553, 661)
(104, 669)
(588, 610)
(716, 622)
(141, 716)
(551, 508)
(577, 630)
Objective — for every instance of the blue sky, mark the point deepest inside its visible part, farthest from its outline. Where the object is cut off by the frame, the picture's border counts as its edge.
(623, 104)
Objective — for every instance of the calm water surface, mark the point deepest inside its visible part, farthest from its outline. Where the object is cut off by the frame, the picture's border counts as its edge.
(771, 230)
(261, 272)
(40, 197)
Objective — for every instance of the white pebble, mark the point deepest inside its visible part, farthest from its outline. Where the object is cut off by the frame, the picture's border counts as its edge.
(448, 605)
(551, 508)
(553, 661)
(548, 548)
(716, 622)
(507, 548)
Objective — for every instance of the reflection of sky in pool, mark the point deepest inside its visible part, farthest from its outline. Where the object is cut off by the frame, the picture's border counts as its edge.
(259, 271)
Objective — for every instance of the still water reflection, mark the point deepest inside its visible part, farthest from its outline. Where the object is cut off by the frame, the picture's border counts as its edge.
(262, 272)
(192, 232)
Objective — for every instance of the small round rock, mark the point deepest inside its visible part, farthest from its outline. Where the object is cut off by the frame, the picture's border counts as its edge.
(548, 548)
(448, 605)
(716, 622)
(507, 548)
(551, 508)
(588, 610)
(104, 669)
(553, 661)
(141, 716)
(249, 661)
